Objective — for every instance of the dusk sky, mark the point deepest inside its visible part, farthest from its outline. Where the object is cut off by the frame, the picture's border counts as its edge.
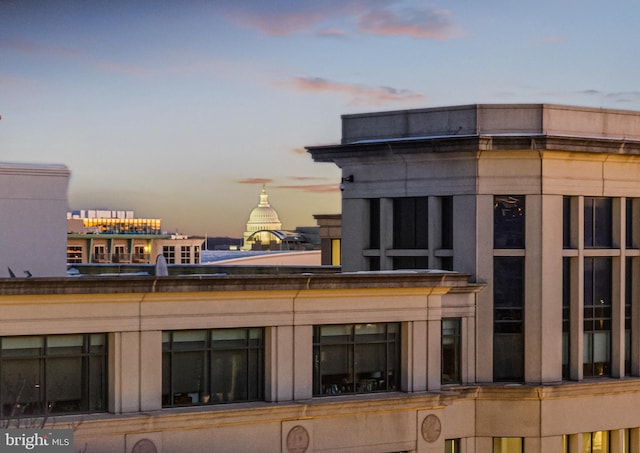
(181, 110)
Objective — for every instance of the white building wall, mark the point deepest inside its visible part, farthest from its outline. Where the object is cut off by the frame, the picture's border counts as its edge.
(33, 223)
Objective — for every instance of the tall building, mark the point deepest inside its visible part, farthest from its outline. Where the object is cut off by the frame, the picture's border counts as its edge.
(540, 202)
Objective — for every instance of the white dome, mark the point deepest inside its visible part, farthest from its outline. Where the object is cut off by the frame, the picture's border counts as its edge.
(263, 217)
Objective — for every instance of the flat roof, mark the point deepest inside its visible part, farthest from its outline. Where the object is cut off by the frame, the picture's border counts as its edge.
(492, 119)
(200, 283)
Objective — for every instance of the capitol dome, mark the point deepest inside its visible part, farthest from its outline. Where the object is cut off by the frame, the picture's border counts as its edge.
(263, 216)
(263, 219)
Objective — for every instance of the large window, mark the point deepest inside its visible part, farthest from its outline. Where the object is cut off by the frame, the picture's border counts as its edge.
(410, 223)
(374, 223)
(508, 221)
(52, 374)
(212, 366)
(597, 316)
(356, 358)
(451, 351)
(598, 222)
(508, 318)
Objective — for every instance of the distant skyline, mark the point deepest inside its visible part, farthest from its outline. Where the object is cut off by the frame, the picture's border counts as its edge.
(183, 110)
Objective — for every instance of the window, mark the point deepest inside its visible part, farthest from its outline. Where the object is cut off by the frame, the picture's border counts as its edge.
(508, 318)
(446, 224)
(356, 358)
(508, 222)
(169, 253)
(452, 446)
(196, 254)
(598, 225)
(628, 298)
(451, 351)
(185, 254)
(374, 223)
(74, 254)
(410, 262)
(410, 223)
(566, 317)
(52, 374)
(629, 236)
(597, 316)
(212, 366)
(567, 225)
(596, 442)
(507, 445)
(335, 252)
(100, 254)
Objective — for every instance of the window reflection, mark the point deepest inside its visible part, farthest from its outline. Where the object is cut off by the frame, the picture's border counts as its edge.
(356, 358)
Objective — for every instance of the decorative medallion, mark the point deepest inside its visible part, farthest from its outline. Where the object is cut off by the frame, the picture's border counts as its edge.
(298, 439)
(144, 446)
(431, 428)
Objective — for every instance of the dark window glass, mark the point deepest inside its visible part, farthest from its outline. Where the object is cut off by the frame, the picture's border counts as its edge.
(356, 358)
(628, 298)
(451, 351)
(212, 366)
(374, 263)
(508, 319)
(410, 262)
(508, 222)
(446, 214)
(598, 227)
(169, 253)
(52, 374)
(446, 263)
(597, 316)
(566, 222)
(374, 223)
(629, 223)
(410, 223)
(566, 317)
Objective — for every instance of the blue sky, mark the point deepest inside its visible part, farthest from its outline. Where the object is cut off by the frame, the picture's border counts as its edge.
(182, 109)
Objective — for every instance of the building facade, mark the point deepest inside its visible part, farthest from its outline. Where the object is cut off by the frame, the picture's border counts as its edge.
(540, 202)
(33, 200)
(118, 237)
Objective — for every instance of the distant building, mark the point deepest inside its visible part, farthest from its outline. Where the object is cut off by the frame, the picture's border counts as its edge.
(33, 199)
(261, 227)
(118, 237)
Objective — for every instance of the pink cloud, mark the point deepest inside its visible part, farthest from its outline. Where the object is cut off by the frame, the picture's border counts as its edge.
(555, 39)
(277, 24)
(255, 181)
(359, 94)
(425, 24)
(316, 188)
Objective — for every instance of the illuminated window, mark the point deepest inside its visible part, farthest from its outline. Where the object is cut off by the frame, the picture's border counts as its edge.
(452, 446)
(596, 442)
(507, 445)
(74, 254)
